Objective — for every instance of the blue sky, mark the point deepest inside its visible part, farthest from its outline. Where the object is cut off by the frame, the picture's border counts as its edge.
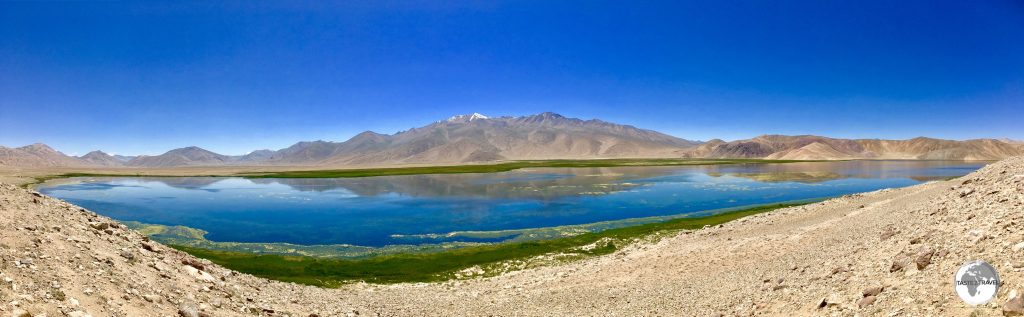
(136, 78)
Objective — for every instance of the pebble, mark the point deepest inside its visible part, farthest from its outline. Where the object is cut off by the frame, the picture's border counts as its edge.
(1018, 247)
(151, 298)
(866, 301)
(188, 309)
(20, 313)
(924, 258)
(872, 291)
(1014, 306)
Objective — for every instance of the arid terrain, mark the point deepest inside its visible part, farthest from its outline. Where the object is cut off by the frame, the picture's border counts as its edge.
(889, 252)
(472, 139)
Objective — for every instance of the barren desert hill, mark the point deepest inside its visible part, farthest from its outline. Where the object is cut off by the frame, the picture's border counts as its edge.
(811, 147)
(186, 156)
(100, 158)
(477, 138)
(889, 252)
(36, 155)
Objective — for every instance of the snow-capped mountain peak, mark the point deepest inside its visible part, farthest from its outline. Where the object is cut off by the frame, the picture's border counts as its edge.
(467, 117)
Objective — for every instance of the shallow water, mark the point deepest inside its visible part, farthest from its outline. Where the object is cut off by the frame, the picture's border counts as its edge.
(378, 211)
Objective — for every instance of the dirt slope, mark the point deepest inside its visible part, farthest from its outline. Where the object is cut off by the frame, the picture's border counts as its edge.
(819, 259)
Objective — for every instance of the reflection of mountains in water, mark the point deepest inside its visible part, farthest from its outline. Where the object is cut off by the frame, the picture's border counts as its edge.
(816, 172)
(553, 183)
(184, 182)
(800, 177)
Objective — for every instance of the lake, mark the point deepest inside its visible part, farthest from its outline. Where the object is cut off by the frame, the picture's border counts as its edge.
(413, 209)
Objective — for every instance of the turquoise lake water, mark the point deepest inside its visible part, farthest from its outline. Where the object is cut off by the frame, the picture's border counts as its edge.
(378, 211)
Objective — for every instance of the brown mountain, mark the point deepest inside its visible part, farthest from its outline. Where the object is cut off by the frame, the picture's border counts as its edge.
(810, 147)
(477, 138)
(99, 158)
(188, 156)
(36, 155)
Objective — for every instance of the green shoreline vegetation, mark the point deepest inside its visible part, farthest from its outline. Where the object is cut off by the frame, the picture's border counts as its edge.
(484, 260)
(440, 169)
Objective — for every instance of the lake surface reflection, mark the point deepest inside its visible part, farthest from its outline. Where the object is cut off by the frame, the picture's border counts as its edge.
(375, 211)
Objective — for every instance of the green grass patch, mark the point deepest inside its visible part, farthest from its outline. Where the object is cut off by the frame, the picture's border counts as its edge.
(501, 167)
(440, 266)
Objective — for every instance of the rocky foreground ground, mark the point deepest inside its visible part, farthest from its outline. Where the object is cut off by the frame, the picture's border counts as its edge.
(884, 253)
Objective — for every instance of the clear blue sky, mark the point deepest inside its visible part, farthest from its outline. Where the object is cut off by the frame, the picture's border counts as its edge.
(144, 78)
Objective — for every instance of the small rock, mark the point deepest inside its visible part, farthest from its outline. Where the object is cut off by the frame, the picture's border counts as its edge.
(151, 298)
(924, 257)
(966, 192)
(831, 300)
(866, 301)
(897, 265)
(149, 247)
(128, 255)
(193, 263)
(1018, 247)
(839, 269)
(99, 225)
(188, 309)
(888, 233)
(200, 275)
(872, 291)
(1014, 306)
(20, 313)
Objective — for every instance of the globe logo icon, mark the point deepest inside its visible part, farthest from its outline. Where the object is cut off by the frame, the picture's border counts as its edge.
(976, 282)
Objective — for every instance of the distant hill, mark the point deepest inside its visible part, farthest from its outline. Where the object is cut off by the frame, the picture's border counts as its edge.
(99, 158)
(478, 138)
(123, 158)
(36, 155)
(181, 157)
(256, 156)
(810, 147)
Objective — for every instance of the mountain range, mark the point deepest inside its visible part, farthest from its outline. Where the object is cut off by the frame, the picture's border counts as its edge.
(478, 138)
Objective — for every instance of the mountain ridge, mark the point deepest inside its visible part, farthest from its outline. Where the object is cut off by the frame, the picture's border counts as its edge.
(472, 138)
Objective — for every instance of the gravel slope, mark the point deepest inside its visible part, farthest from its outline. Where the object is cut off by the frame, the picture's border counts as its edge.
(900, 246)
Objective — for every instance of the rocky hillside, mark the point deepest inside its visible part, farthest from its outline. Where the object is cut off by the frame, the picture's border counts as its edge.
(810, 147)
(883, 253)
(477, 138)
(36, 155)
(188, 156)
(99, 158)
